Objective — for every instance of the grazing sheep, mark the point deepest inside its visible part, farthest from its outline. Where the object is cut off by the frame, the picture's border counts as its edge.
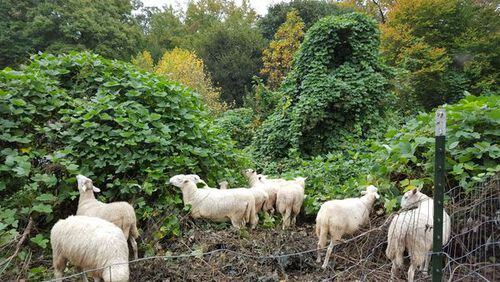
(289, 199)
(238, 205)
(259, 194)
(120, 213)
(90, 243)
(413, 230)
(270, 186)
(339, 217)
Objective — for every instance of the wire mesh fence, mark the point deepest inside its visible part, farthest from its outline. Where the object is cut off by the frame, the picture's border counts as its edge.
(471, 253)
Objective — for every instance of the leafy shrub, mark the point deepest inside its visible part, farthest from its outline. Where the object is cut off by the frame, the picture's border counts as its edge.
(127, 129)
(336, 92)
(335, 175)
(405, 158)
(239, 124)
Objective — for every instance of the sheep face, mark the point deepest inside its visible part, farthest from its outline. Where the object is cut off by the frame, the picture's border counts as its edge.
(85, 183)
(177, 180)
(371, 190)
(410, 198)
(249, 173)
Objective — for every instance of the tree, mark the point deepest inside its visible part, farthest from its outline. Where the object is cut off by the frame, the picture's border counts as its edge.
(106, 27)
(336, 92)
(277, 58)
(232, 53)
(163, 30)
(185, 67)
(309, 11)
(442, 58)
(143, 61)
(376, 8)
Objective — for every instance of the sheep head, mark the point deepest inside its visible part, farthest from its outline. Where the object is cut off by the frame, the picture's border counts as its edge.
(371, 190)
(178, 179)
(196, 178)
(85, 183)
(301, 181)
(412, 198)
(248, 173)
(223, 184)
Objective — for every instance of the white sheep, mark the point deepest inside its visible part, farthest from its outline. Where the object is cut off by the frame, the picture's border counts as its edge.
(238, 205)
(413, 230)
(339, 217)
(90, 243)
(270, 186)
(258, 193)
(223, 185)
(289, 199)
(120, 213)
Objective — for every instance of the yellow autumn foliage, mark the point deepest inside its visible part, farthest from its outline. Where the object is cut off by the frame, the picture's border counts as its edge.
(185, 67)
(278, 57)
(143, 61)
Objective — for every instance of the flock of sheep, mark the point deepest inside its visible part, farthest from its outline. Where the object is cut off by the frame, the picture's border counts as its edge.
(95, 240)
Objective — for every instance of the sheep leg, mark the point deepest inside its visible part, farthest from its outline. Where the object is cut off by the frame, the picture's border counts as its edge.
(133, 243)
(328, 254)
(59, 264)
(397, 262)
(286, 217)
(426, 264)
(84, 275)
(322, 236)
(411, 272)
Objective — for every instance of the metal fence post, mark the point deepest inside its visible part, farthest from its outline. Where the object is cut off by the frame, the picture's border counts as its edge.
(439, 182)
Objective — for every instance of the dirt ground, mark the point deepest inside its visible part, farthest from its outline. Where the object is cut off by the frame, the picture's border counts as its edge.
(263, 263)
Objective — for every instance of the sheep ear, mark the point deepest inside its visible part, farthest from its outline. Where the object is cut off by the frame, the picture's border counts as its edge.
(414, 191)
(377, 196)
(363, 192)
(95, 189)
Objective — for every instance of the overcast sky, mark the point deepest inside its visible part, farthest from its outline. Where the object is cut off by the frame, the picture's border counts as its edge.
(260, 6)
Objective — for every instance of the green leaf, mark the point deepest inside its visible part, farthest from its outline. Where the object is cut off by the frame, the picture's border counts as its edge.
(40, 240)
(42, 208)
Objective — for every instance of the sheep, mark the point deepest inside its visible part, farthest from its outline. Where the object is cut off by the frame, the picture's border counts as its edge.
(289, 199)
(236, 204)
(223, 185)
(412, 230)
(270, 186)
(90, 243)
(120, 213)
(339, 217)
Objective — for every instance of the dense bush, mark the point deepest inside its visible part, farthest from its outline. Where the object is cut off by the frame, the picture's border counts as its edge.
(405, 159)
(129, 130)
(239, 124)
(336, 92)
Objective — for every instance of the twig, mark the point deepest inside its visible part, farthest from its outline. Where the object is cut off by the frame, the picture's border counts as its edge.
(26, 232)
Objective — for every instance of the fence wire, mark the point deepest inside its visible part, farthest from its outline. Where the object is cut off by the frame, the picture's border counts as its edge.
(471, 254)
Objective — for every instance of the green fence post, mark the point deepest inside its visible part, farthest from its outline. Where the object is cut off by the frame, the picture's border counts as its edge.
(439, 172)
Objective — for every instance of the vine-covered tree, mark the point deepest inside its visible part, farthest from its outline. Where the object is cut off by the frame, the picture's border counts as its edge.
(277, 58)
(336, 92)
(185, 67)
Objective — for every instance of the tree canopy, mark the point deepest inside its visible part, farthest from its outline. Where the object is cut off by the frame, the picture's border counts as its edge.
(106, 27)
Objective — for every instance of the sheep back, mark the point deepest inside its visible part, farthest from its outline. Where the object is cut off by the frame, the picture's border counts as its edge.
(90, 243)
(122, 214)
